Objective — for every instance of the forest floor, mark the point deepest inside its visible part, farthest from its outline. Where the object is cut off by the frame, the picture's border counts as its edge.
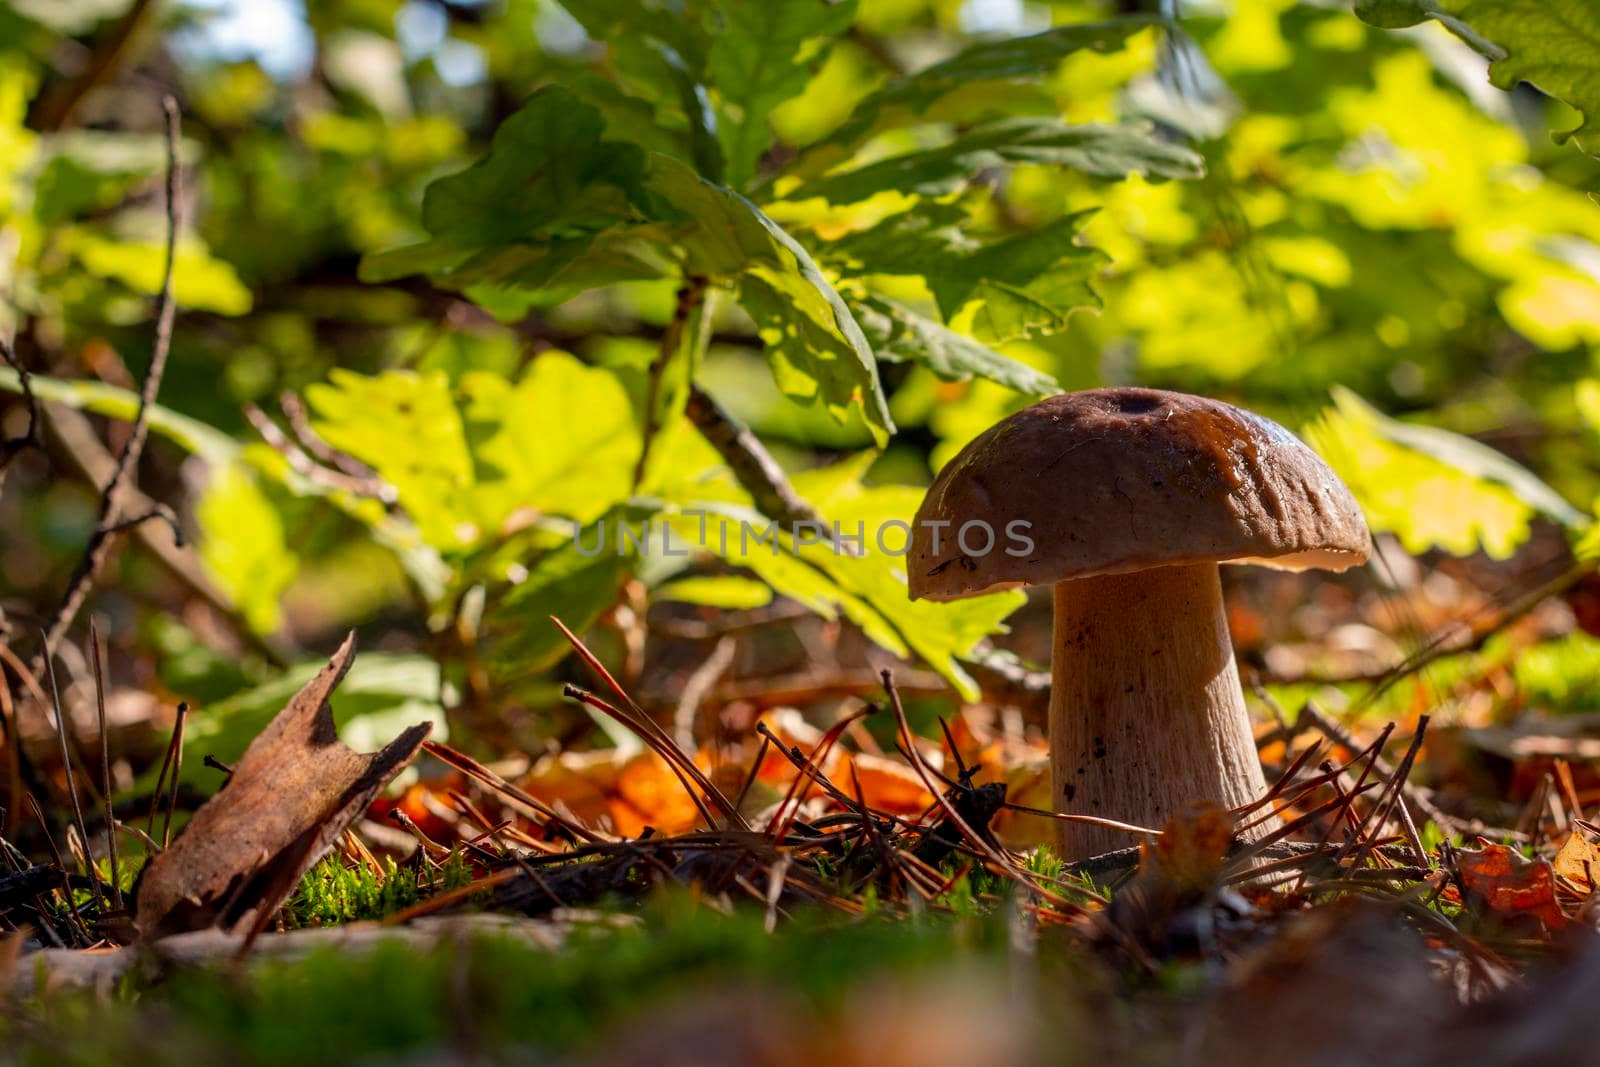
(844, 896)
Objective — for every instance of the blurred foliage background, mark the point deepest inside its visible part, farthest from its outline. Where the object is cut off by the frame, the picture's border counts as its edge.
(866, 229)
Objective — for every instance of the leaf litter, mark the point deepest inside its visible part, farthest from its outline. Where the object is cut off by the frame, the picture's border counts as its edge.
(1340, 936)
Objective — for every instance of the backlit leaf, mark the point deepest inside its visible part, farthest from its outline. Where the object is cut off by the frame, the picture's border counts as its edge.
(1552, 44)
(199, 280)
(760, 59)
(562, 440)
(575, 582)
(727, 591)
(1429, 487)
(940, 633)
(243, 546)
(406, 427)
(816, 348)
(550, 172)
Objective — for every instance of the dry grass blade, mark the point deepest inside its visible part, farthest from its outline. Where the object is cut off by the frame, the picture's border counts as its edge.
(640, 722)
(72, 778)
(979, 843)
(539, 810)
(97, 651)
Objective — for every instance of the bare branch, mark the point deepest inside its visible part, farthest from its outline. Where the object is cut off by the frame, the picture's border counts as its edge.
(302, 464)
(691, 301)
(752, 465)
(122, 476)
(10, 447)
(157, 510)
(294, 412)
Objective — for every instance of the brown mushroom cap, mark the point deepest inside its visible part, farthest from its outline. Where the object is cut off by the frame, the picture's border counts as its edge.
(1119, 480)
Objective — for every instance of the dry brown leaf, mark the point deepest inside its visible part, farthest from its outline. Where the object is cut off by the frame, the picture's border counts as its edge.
(1579, 858)
(1509, 885)
(1027, 785)
(1191, 848)
(295, 790)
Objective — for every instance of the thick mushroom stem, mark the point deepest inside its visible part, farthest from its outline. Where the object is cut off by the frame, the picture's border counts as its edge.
(1146, 713)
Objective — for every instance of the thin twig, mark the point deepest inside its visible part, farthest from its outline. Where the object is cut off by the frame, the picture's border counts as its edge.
(122, 476)
(11, 447)
(304, 465)
(177, 769)
(698, 685)
(72, 438)
(157, 510)
(753, 466)
(56, 108)
(691, 301)
(294, 413)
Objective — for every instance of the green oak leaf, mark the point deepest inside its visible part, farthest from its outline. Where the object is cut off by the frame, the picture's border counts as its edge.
(394, 532)
(1552, 44)
(550, 173)
(576, 582)
(941, 633)
(405, 426)
(899, 335)
(730, 592)
(815, 346)
(561, 440)
(1098, 150)
(464, 460)
(1022, 285)
(760, 59)
(659, 52)
(1014, 61)
(814, 357)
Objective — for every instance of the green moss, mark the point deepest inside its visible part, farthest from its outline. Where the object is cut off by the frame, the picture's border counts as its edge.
(335, 891)
(341, 1005)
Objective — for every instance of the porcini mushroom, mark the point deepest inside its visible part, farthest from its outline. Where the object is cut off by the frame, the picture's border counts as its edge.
(1127, 500)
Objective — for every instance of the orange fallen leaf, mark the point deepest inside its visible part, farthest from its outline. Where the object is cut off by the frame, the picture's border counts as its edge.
(1028, 785)
(651, 792)
(1509, 885)
(1191, 848)
(582, 782)
(886, 784)
(422, 802)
